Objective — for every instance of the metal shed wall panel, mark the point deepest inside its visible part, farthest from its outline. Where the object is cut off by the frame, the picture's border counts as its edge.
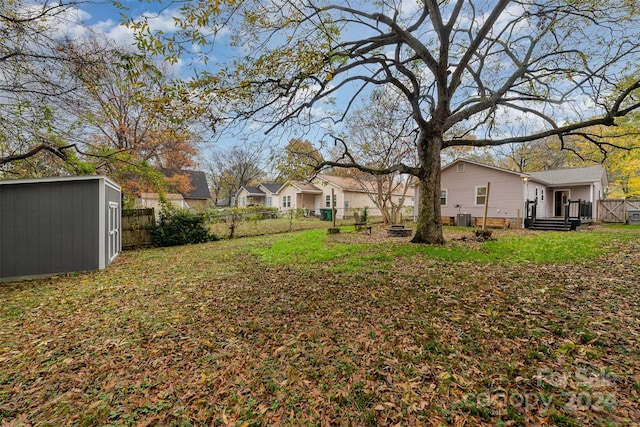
(49, 227)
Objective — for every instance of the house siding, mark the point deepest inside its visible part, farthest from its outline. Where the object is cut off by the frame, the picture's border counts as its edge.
(576, 192)
(506, 194)
(291, 191)
(152, 200)
(274, 197)
(356, 199)
(359, 201)
(197, 203)
(582, 192)
(544, 196)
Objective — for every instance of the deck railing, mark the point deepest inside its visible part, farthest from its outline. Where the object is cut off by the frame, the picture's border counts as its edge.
(578, 210)
(575, 212)
(531, 209)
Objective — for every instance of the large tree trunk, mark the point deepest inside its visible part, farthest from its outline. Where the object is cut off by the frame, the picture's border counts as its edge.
(429, 226)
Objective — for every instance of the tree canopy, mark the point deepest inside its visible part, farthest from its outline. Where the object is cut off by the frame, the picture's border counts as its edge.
(297, 161)
(469, 73)
(85, 105)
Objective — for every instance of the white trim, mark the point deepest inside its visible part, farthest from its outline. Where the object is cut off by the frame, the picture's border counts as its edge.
(114, 246)
(102, 225)
(446, 197)
(61, 179)
(560, 190)
(475, 195)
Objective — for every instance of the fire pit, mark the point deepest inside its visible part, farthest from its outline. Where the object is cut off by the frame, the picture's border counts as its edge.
(399, 231)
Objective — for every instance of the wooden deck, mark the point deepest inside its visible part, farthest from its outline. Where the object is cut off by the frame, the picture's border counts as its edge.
(577, 214)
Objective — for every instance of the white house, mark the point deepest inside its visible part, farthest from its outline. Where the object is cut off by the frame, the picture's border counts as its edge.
(315, 196)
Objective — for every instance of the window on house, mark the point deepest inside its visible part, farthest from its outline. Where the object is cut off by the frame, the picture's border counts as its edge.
(267, 201)
(481, 195)
(286, 201)
(460, 167)
(400, 201)
(327, 200)
(542, 194)
(443, 197)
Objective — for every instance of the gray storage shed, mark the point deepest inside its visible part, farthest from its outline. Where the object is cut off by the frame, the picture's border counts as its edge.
(57, 225)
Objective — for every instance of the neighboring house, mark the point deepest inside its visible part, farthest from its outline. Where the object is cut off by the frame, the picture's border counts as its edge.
(300, 195)
(267, 194)
(314, 197)
(352, 194)
(198, 195)
(250, 196)
(348, 194)
(464, 190)
(272, 194)
(152, 200)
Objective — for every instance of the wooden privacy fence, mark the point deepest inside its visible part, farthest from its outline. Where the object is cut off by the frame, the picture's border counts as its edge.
(136, 225)
(615, 210)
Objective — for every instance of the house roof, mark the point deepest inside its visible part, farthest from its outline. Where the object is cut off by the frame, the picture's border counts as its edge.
(252, 191)
(484, 165)
(343, 182)
(566, 176)
(571, 176)
(306, 187)
(352, 184)
(272, 187)
(198, 183)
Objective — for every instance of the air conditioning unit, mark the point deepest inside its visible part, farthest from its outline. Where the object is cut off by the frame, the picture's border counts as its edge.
(463, 220)
(633, 216)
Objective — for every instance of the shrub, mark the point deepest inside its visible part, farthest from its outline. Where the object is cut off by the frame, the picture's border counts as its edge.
(181, 227)
(364, 217)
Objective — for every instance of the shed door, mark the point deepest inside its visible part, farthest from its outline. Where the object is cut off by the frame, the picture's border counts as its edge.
(114, 230)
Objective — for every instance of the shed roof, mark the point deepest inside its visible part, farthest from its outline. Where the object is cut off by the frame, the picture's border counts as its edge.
(107, 180)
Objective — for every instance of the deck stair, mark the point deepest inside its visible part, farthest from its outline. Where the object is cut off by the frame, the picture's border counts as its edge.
(558, 224)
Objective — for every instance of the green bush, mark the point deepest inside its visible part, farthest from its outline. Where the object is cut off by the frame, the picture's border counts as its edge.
(181, 227)
(364, 217)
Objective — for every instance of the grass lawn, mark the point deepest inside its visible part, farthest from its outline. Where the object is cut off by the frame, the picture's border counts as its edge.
(308, 328)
